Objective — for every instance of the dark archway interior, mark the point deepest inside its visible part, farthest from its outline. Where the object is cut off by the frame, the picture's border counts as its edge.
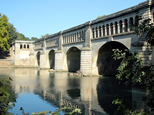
(105, 62)
(73, 59)
(38, 58)
(52, 59)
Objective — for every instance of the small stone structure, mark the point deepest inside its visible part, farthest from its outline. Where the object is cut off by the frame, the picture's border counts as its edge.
(88, 47)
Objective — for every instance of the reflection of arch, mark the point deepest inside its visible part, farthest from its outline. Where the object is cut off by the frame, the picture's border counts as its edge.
(38, 58)
(105, 62)
(52, 59)
(73, 59)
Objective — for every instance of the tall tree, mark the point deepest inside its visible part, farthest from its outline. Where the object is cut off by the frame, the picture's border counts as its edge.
(4, 33)
(46, 35)
(34, 38)
(12, 34)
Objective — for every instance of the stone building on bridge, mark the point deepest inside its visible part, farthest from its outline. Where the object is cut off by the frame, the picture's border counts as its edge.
(88, 47)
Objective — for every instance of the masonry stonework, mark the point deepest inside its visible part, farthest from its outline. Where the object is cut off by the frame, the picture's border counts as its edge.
(89, 37)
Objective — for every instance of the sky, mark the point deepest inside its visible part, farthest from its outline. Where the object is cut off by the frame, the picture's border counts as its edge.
(34, 18)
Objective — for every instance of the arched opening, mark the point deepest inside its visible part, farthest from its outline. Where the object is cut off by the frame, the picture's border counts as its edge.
(38, 58)
(131, 24)
(111, 25)
(73, 59)
(136, 20)
(103, 30)
(126, 25)
(120, 24)
(107, 27)
(93, 33)
(116, 27)
(100, 33)
(20, 46)
(96, 32)
(52, 59)
(28, 46)
(105, 62)
(25, 46)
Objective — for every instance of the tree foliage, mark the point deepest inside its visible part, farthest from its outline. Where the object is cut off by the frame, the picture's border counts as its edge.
(134, 73)
(12, 34)
(100, 16)
(21, 36)
(34, 38)
(46, 35)
(4, 33)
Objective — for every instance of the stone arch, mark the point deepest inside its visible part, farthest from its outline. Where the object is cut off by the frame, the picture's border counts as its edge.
(120, 26)
(93, 32)
(103, 30)
(136, 19)
(100, 33)
(38, 58)
(73, 59)
(116, 27)
(96, 32)
(111, 26)
(51, 56)
(126, 25)
(131, 24)
(105, 63)
(107, 29)
(20, 46)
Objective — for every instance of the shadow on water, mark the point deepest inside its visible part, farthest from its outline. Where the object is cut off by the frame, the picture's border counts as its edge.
(107, 88)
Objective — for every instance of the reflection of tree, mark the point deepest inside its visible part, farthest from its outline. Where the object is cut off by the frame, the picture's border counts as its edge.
(106, 90)
(7, 96)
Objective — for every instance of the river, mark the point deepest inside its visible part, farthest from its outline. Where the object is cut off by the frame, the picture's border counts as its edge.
(38, 90)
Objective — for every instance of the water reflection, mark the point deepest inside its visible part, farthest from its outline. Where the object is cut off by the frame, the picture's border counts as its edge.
(94, 95)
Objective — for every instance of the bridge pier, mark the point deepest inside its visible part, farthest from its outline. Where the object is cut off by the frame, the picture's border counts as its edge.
(58, 60)
(86, 61)
(43, 60)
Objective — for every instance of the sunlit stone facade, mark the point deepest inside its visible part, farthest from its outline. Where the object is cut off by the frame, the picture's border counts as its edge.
(93, 40)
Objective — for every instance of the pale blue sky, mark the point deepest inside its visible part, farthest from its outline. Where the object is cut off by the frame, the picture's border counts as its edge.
(34, 18)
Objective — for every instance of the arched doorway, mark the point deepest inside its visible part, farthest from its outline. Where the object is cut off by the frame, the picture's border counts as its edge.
(73, 59)
(38, 58)
(105, 62)
(52, 59)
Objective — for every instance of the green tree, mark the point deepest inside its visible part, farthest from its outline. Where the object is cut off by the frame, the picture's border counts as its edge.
(34, 38)
(4, 33)
(46, 35)
(20, 36)
(12, 34)
(100, 16)
(133, 72)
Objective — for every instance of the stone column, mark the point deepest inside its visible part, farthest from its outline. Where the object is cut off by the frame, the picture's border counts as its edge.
(118, 28)
(113, 29)
(128, 27)
(86, 61)
(105, 30)
(43, 60)
(58, 60)
(98, 32)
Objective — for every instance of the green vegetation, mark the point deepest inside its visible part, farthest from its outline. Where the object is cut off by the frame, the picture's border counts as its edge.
(100, 16)
(5, 98)
(132, 71)
(4, 33)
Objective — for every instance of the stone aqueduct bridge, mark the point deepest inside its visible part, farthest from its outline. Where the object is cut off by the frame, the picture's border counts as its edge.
(87, 47)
